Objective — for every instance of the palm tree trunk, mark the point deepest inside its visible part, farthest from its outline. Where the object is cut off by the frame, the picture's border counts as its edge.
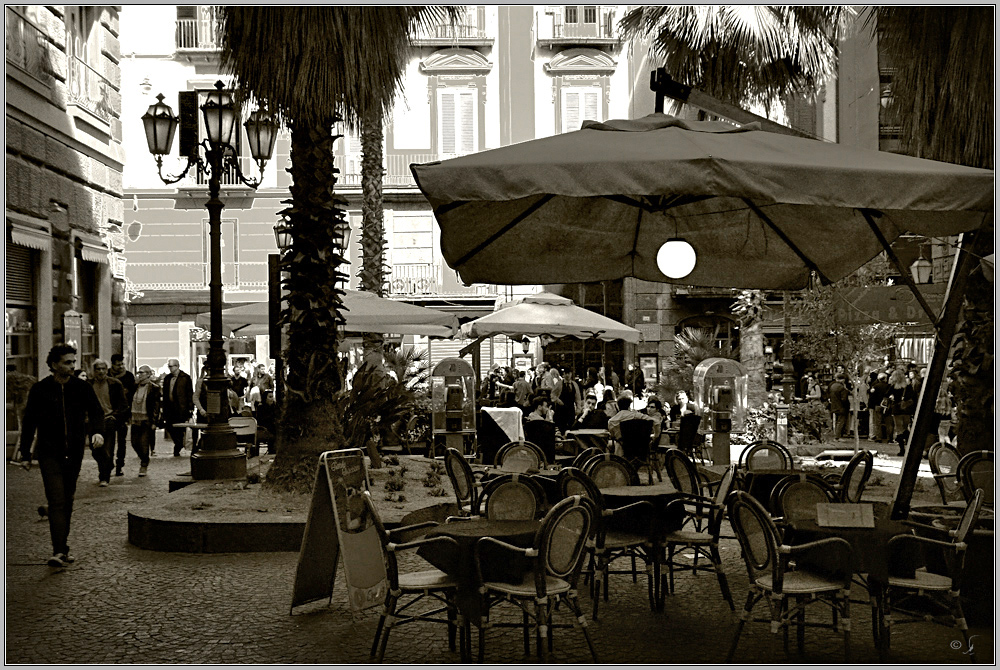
(372, 223)
(308, 424)
(752, 357)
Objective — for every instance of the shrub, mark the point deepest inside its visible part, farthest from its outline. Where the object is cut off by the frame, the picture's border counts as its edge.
(390, 460)
(809, 418)
(439, 492)
(395, 482)
(431, 479)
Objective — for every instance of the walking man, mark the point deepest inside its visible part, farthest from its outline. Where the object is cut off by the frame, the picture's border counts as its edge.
(145, 408)
(127, 381)
(840, 404)
(111, 395)
(178, 403)
(61, 409)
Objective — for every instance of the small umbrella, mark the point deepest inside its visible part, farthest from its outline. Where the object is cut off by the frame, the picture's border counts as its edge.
(762, 210)
(364, 313)
(549, 314)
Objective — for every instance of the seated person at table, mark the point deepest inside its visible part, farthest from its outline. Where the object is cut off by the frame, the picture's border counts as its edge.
(591, 417)
(683, 406)
(654, 409)
(625, 413)
(607, 403)
(541, 408)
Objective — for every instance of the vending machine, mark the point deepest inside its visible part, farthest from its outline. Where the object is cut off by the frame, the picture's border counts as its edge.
(720, 390)
(453, 406)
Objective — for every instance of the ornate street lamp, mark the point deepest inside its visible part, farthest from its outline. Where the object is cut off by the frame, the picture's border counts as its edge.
(217, 457)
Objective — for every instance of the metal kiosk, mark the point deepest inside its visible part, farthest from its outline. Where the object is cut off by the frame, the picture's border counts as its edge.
(453, 406)
(720, 390)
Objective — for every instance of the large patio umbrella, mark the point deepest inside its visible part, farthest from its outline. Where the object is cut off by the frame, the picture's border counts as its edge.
(760, 209)
(549, 314)
(364, 313)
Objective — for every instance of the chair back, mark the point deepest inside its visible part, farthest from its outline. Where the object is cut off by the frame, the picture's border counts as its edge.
(585, 456)
(795, 498)
(765, 455)
(384, 565)
(855, 477)
(244, 427)
(462, 480)
(520, 457)
(575, 482)
(543, 435)
(611, 470)
(969, 517)
(975, 472)
(562, 538)
(687, 432)
(636, 435)
(756, 532)
(514, 497)
(944, 466)
(719, 502)
(681, 471)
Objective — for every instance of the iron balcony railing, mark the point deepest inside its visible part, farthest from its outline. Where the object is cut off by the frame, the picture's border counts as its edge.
(590, 22)
(428, 279)
(197, 34)
(26, 46)
(396, 168)
(471, 25)
(89, 89)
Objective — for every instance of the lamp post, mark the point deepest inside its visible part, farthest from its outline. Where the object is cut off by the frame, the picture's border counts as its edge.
(217, 457)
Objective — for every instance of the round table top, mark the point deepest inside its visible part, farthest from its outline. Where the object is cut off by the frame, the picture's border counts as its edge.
(588, 431)
(486, 528)
(663, 488)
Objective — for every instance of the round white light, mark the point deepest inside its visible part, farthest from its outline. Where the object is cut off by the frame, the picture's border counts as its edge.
(676, 258)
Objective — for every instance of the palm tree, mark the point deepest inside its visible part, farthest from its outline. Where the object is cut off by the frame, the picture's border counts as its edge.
(315, 67)
(744, 55)
(942, 94)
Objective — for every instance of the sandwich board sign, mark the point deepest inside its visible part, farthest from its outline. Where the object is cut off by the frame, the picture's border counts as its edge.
(339, 522)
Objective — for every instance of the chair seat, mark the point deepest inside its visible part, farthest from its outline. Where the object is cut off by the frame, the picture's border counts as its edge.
(426, 579)
(801, 581)
(688, 537)
(927, 581)
(526, 589)
(615, 539)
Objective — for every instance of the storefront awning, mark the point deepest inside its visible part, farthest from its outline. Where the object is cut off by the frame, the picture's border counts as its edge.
(31, 236)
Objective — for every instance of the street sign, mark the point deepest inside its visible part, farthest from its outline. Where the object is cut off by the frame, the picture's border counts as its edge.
(886, 304)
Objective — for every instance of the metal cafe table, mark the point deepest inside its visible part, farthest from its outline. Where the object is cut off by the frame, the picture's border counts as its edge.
(870, 556)
(461, 563)
(586, 438)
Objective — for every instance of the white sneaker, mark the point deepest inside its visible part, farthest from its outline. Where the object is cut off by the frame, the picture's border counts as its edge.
(103, 484)
(142, 470)
(56, 561)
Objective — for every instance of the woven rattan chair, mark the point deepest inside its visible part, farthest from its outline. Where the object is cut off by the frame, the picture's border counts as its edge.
(463, 482)
(975, 472)
(765, 455)
(581, 459)
(787, 592)
(521, 457)
(611, 470)
(556, 555)
(513, 497)
(853, 480)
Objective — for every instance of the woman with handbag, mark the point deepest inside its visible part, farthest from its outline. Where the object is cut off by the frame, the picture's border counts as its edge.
(904, 400)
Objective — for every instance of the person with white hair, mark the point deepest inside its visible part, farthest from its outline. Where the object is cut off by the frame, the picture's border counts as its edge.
(145, 409)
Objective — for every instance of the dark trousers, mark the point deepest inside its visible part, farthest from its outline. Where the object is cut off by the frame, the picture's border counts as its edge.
(59, 477)
(177, 435)
(105, 454)
(840, 423)
(142, 439)
(121, 431)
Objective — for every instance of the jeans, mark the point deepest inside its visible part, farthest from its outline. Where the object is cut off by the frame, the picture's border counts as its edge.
(105, 454)
(59, 477)
(142, 438)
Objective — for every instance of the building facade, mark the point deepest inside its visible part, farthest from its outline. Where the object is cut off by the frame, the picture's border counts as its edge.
(63, 263)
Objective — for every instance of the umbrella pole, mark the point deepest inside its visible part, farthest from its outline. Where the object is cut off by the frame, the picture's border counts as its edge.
(964, 262)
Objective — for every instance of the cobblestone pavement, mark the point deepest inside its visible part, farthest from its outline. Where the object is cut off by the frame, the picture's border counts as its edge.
(120, 604)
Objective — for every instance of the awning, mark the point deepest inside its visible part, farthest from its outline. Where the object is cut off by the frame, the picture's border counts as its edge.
(93, 253)
(28, 235)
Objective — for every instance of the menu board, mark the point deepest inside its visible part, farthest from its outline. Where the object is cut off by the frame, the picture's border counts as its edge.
(845, 515)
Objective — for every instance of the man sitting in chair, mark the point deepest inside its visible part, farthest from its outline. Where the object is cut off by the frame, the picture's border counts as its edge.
(591, 417)
(541, 410)
(625, 413)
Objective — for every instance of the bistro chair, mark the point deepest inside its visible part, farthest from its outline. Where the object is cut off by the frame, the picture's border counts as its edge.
(467, 488)
(246, 434)
(610, 542)
(794, 498)
(975, 472)
(786, 591)
(637, 435)
(513, 497)
(944, 467)
(688, 439)
(416, 586)
(854, 478)
(521, 457)
(765, 455)
(586, 455)
(611, 470)
(702, 543)
(543, 435)
(556, 556)
(944, 590)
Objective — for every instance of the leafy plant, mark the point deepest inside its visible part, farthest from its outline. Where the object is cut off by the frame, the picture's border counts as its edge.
(395, 482)
(439, 492)
(371, 407)
(431, 479)
(810, 418)
(407, 365)
(691, 346)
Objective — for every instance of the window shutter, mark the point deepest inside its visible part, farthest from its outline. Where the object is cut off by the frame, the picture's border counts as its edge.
(187, 103)
(354, 143)
(571, 111)
(20, 276)
(481, 17)
(466, 111)
(591, 106)
(447, 123)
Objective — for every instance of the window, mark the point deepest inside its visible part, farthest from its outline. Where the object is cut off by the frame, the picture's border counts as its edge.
(80, 22)
(571, 14)
(457, 121)
(578, 105)
(590, 14)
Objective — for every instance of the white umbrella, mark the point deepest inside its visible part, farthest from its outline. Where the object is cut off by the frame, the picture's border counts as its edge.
(552, 315)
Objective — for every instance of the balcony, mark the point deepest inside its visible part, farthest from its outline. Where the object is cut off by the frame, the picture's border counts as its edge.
(26, 47)
(396, 166)
(89, 89)
(197, 34)
(412, 279)
(582, 25)
(469, 30)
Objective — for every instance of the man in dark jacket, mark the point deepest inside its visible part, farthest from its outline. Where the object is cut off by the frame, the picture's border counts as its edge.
(61, 409)
(111, 395)
(840, 404)
(127, 380)
(877, 395)
(177, 403)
